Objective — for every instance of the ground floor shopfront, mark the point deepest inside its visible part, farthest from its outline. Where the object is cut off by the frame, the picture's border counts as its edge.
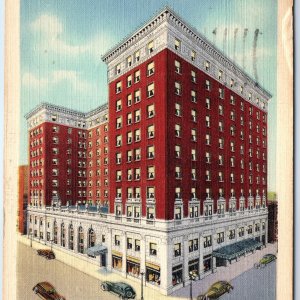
(166, 259)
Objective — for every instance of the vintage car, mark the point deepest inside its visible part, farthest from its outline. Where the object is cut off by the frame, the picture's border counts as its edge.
(46, 291)
(216, 290)
(48, 254)
(123, 290)
(266, 259)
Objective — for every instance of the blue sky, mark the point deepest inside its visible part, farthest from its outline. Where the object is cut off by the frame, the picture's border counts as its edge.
(62, 42)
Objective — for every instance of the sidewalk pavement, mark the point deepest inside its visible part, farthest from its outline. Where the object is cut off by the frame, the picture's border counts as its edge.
(83, 264)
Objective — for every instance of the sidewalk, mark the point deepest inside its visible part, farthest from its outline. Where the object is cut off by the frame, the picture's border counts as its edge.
(83, 264)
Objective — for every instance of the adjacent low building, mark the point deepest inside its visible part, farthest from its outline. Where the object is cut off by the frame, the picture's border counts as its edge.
(181, 162)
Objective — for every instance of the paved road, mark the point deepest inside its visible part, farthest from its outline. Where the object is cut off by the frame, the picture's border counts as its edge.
(69, 282)
(255, 284)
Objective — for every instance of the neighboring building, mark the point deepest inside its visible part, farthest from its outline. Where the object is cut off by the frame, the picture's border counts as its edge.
(186, 161)
(272, 218)
(64, 159)
(23, 199)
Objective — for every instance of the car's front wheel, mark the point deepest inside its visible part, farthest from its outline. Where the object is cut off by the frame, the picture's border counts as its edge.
(35, 290)
(104, 287)
(129, 295)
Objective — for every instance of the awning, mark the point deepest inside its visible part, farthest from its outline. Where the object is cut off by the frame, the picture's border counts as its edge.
(96, 250)
(237, 249)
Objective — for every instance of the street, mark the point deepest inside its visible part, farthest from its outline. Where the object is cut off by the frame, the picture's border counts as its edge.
(69, 282)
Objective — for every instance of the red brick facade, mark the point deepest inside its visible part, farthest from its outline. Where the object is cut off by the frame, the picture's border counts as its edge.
(23, 198)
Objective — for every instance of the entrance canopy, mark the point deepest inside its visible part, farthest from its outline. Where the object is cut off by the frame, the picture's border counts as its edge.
(237, 249)
(96, 250)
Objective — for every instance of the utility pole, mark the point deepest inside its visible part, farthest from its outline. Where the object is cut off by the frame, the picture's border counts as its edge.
(142, 290)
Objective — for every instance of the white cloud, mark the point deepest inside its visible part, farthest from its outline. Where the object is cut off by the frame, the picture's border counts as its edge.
(49, 32)
(31, 81)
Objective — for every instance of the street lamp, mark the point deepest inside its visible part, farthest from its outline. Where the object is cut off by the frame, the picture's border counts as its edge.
(192, 276)
(142, 290)
(51, 241)
(31, 237)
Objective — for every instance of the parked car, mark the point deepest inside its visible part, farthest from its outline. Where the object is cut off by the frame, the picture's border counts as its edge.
(123, 290)
(48, 254)
(216, 290)
(46, 291)
(266, 259)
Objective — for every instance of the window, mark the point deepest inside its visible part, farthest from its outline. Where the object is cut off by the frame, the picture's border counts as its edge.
(221, 110)
(129, 100)
(150, 111)
(207, 103)
(150, 90)
(193, 96)
(194, 211)
(119, 122)
(150, 131)
(220, 75)
(220, 237)
(118, 69)
(193, 173)
(193, 76)
(208, 157)
(178, 172)
(150, 68)
(137, 76)
(207, 65)
(207, 121)
(221, 126)
(153, 249)
(207, 139)
(232, 130)
(232, 146)
(129, 243)
(193, 135)
(129, 137)
(177, 130)
(177, 249)
(177, 151)
(151, 172)
(232, 115)
(137, 154)
(129, 81)
(119, 105)
(232, 100)
(150, 152)
(118, 87)
(207, 85)
(117, 240)
(193, 245)
(177, 44)
(150, 47)
(193, 154)
(137, 135)
(177, 88)
(221, 143)
(194, 115)
(129, 119)
(137, 245)
(221, 93)
(178, 212)
(177, 193)
(193, 55)
(129, 61)
(129, 193)
(177, 109)
(177, 67)
(118, 175)
(119, 140)
(150, 192)
(207, 241)
(150, 213)
(137, 116)
(137, 96)
(221, 177)
(137, 56)
(207, 175)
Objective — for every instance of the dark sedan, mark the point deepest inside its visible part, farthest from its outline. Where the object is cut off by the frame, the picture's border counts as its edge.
(123, 290)
(48, 254)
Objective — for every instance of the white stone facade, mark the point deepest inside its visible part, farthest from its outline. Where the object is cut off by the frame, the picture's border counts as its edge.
(117, 232)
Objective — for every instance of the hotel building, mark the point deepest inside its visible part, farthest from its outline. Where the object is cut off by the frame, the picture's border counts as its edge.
(173, 174)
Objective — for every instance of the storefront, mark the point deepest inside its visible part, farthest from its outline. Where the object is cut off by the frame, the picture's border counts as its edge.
(194, 268)
(117, 260)
(152, 273)
(177, 274)
(133, 266)
(207, 263)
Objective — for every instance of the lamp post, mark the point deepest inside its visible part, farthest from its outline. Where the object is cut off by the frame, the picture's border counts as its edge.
(51, 241)
(142, 288)
(192, 278)
(31, 237)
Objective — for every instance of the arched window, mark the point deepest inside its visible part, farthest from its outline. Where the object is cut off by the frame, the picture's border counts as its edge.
(91, 238)
(55, 229)
(71, 237)
(62, 235)
(80, 240)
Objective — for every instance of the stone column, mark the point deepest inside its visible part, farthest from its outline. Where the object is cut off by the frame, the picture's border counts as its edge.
(185, 253)
(108, 240)
(201, 248)
(165, 249)
(124, 247)
(143, 254)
